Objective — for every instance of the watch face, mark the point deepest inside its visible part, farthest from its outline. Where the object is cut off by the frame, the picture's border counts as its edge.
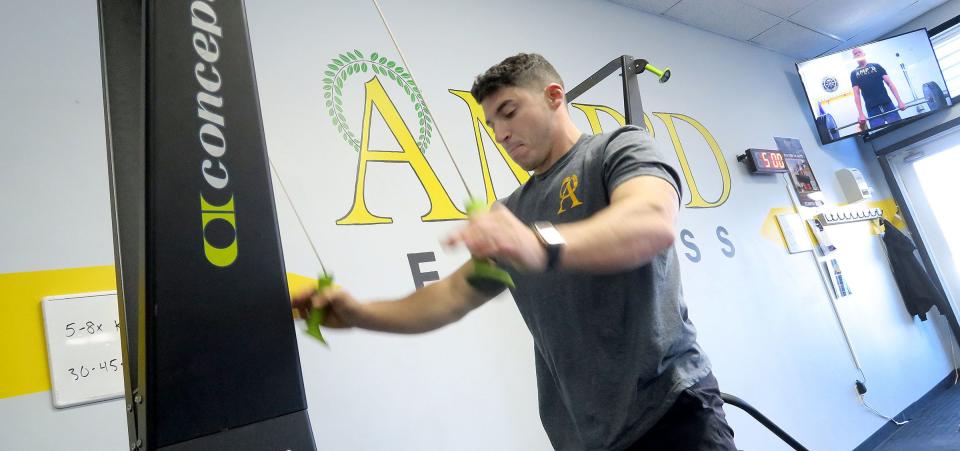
(549, 234)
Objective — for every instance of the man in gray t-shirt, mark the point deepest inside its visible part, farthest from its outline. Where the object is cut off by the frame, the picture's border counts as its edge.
(589, 242)
(613, 350)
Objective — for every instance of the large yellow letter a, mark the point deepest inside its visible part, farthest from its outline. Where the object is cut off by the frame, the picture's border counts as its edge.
(441, 207)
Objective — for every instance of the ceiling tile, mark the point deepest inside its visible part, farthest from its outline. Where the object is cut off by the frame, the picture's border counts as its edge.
(782, 8)
(812, 26)
(893, 22)
(726, 17)
(843, 19)
(650, 6)
(791, 39)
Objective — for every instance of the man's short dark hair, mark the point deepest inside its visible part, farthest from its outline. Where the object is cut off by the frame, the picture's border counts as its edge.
(523, 70)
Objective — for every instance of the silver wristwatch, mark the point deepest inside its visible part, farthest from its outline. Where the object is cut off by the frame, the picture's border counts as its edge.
(551, 240)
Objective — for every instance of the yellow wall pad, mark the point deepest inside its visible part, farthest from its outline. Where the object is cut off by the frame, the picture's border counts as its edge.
(22, 347)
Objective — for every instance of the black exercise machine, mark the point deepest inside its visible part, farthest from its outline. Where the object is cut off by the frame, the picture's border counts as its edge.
(210, 354)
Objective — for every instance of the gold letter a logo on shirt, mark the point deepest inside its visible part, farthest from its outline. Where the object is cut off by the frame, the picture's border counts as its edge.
(568, 191)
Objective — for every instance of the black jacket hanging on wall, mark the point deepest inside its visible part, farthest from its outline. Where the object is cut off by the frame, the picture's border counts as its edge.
(917, 289)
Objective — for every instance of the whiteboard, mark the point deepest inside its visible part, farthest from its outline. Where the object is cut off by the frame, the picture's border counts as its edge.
(83, 347)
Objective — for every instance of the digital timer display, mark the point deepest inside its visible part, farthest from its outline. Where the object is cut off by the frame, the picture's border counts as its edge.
(761, 161)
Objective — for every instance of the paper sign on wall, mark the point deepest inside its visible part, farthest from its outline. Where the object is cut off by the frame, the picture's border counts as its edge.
(83, 347)
(841, 287)
(800, 172)
(794, 233)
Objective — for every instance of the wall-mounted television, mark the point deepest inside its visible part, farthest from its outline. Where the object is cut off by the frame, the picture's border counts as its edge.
(865, 88)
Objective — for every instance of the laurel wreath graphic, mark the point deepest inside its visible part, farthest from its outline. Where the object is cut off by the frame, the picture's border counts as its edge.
(350, 63)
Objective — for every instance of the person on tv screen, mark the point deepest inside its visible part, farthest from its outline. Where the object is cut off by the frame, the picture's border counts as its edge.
(868, 81)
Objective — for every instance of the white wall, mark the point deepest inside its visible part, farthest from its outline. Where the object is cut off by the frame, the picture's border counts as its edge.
(51, 123)
(763, 315)
(54, 198)
(932, 18)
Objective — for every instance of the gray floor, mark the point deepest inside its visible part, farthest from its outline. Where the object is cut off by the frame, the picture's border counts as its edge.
(933, 427)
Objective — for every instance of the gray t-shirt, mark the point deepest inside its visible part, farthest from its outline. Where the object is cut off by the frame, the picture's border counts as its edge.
(613, 351)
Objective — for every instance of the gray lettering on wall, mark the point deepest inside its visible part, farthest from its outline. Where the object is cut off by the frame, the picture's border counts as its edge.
(686, 237)
(722, 235)
(420, 278)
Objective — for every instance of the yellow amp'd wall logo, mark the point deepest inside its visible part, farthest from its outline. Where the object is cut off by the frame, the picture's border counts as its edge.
(414, 139)
(568, 192)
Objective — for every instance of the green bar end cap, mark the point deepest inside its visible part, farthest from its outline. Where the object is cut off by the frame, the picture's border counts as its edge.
(488, 278)
(475, 205)
(318, 315)
(313, 324)
(663, 74)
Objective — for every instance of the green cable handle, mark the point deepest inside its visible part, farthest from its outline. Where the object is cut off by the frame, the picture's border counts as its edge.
(663, 74)
(317, 315)
(486, 276)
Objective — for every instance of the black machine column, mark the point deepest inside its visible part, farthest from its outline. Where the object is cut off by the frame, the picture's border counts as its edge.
(210, 356)
(629, 68)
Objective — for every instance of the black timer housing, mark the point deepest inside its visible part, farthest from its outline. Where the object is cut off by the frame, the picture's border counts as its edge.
(762, 161)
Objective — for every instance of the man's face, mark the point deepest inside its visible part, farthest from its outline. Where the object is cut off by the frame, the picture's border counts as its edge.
(859, 55)
(522, 123)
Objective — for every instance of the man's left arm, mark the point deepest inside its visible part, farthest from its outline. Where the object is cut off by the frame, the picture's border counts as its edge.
(638, 224)
(893, 89)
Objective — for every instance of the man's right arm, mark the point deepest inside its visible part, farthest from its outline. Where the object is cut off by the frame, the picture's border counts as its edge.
(856, 98)
(426, 309)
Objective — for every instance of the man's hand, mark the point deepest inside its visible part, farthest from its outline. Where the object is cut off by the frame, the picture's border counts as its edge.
(862, 120)
(498, 234)
(344, 310)
(901, 105)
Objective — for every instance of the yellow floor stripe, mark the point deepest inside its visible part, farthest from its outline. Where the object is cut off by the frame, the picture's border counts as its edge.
(22, 347)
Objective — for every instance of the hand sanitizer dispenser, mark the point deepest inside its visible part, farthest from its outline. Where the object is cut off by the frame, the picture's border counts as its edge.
(853, 184)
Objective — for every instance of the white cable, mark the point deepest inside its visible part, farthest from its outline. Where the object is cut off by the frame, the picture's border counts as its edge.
(296, 214)
(429, 111)
(824, 277)
(863, 401)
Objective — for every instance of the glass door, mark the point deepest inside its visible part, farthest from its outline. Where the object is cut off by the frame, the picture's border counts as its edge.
(926, 174)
